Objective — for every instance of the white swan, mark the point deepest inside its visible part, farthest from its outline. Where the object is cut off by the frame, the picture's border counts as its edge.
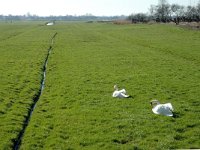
(162, 109)
(50, 23)
(119, 93)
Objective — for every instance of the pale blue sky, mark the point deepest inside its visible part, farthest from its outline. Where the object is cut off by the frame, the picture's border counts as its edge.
(80, 7)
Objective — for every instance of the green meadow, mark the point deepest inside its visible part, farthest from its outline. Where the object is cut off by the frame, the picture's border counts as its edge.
(23, 47)
(76, 109)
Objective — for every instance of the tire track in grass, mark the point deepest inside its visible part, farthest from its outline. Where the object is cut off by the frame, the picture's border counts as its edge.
(17, 141)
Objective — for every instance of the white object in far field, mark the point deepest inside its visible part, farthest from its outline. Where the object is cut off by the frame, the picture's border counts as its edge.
(119, 93)
(50, 24)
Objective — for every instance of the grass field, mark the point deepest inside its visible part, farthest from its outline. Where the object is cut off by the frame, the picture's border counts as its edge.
(76, 110)
(22, 56)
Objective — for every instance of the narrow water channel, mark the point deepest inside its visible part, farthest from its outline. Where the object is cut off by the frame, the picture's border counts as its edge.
(17, 142)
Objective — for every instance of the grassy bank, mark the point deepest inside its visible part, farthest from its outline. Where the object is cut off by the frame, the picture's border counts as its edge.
(76, 110)
(23, 48)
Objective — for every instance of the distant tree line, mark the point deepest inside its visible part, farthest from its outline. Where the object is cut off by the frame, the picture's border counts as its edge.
(87, 17)
(164, 12)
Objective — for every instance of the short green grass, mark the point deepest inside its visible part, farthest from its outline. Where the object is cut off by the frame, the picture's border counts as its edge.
(76, 110)
(22, 53)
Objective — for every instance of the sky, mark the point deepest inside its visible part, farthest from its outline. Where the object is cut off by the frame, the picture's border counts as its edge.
(80, 7)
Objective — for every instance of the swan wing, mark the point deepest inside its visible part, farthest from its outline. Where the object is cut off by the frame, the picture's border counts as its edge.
(122, 91)
(119, 94)
(115, 94)
(162, 109)
(169, 105)
(124, 95)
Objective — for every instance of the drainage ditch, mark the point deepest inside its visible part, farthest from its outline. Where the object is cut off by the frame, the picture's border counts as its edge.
(17, 142)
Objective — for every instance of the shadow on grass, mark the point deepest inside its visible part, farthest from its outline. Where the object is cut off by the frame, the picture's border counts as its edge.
(176, 115)
(123, 141)
(130, 97)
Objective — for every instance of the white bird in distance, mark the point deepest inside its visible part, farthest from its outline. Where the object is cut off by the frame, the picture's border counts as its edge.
(119, 93)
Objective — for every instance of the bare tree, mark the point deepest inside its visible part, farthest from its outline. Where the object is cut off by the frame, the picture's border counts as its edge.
(191, 14)
(153, 11)
(198, 11)
(163, 10)
(139, 17)
(177, 12)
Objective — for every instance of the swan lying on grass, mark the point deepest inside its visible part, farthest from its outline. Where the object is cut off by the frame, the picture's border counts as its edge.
(119, 93)
(50, 23)
(162, 109)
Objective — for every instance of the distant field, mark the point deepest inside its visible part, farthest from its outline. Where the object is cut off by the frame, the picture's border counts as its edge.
(76, 110)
